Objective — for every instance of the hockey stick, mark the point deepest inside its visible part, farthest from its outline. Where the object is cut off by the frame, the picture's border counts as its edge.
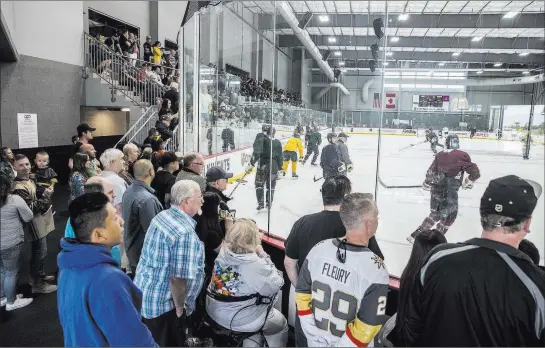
(401, 186)
(239, 182)
(406, 147)
(316, 180)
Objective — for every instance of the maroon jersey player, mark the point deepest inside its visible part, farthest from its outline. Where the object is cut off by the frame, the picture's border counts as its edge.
(452, 163)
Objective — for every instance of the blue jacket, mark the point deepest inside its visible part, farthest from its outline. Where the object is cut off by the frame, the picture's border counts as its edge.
(69, 233)
(98, 304)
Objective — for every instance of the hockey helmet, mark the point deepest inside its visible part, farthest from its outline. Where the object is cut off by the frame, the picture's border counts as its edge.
(452, 142)
(266, 128)
(331, 137)
(430, 129)
(342, 135)
(296, 134)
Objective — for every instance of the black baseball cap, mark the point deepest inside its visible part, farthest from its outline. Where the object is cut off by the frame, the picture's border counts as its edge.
(217, 173)
(84, 128)
(167, 158)
(510, 196)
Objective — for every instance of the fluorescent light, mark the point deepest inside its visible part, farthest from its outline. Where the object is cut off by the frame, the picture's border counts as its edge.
(497, 65)
(125, 109)
(441, 64)
(331, 39)
(456, 54)
(525, 72)
(337, 53)
(403, 17)
(524, 54)
(477, 38)
(389, 54)
(480, 72)
(394, 39)
(341, 63)
(324, 18)
(510, 15)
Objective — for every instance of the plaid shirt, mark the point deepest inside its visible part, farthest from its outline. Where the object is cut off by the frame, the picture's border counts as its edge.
(171, 249)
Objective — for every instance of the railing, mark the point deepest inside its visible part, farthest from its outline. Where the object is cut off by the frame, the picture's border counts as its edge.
(172, 143)
(140, 129)
(121, 74)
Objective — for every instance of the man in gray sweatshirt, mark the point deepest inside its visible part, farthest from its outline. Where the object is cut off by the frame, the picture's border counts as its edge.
(344, 157)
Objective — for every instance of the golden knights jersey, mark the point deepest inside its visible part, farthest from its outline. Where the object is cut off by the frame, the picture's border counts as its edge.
(341, 295)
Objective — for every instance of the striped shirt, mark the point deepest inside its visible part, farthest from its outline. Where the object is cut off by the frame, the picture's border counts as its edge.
(171, 249)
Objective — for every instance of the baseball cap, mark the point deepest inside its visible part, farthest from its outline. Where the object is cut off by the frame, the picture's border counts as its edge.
(148, 37)
(84, 127)
(164, 118)
(217, 173)
(510, 196)
(167, 158)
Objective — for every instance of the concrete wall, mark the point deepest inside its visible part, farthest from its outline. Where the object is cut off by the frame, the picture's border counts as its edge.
(107, 122)
(169, 18)
(45, 87)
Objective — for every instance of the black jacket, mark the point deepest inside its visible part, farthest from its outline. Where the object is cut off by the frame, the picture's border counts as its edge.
(174, 97)
(329, 159)
(165, 132)
(228, 136)
(223, 197)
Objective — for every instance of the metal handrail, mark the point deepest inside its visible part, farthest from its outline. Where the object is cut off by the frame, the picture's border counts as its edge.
(142, 121)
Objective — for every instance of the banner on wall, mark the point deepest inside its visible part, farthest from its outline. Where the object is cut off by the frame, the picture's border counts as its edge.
(376, 101)
(27, 129)
(390, 101)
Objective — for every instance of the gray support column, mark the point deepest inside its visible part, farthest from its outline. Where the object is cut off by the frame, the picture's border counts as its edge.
(255, 51)
(220, 43)
(153, 23)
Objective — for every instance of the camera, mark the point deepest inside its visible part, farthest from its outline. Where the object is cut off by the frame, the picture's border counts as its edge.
(225, 213)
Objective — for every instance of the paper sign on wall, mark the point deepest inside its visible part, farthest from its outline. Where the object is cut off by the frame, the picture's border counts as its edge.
(27, 128)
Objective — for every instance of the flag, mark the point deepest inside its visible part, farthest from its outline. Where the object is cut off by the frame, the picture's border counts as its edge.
(376, 101)
(390, 101)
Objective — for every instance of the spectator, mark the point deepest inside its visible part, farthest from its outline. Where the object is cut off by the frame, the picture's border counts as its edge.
(172, 61)
(139, 206)
(112, 161)
(165, 108)
(174, 96)
(152, 134)
(313, 228)
(14, 212)
(216, 180)
(133, 49)
(85, 134)
(98, 304)
(6, 162)
(39, 204)
(155, 75)
(228, 137)
(241, 270)
(356, 276)
(125, 43)
(94, 165)
(164, 179)
(530, 250)
(131, 153)
(492, 292)
(79, 175)
(193, 166)
(162, 126)
(148, 52)
(170, 272)
(147, 152)
(157, 53)
(97, 184)
(395, 332)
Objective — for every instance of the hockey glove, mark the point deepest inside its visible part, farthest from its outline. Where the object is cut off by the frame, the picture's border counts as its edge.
(468, 184)
(350, 168)
(342, 168)
(426, 186)
(249, 168)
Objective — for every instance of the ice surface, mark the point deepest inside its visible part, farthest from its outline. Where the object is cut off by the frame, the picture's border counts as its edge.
(401, 210)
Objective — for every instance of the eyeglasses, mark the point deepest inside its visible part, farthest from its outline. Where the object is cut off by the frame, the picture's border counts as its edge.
(199, 164)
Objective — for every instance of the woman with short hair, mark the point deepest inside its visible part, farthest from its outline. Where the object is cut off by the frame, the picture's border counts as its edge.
(242, 272)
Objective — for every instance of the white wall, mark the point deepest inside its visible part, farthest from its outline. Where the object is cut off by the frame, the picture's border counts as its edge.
(136, 13)
(50, 30)
(170, 15)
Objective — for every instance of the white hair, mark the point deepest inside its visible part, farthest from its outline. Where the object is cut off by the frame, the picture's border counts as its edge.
(183, 189)
(110, 155)
(128, 147)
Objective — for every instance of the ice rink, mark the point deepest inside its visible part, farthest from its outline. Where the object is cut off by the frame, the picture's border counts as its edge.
(401, 210)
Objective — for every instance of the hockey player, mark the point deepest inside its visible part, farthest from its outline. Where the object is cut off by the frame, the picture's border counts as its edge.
(342, 287)
(433, 139)
(344, 157)
(293, 145)
(268, 158)
(329, 161)
(443, 180)
(314, 141)
(472, 133)
(228, 137)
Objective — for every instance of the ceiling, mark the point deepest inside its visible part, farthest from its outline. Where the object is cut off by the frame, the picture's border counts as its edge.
(476, 33)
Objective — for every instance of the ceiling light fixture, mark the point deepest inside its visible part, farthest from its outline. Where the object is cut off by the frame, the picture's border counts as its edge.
(403, 17)
(510, 15)
(477, 38)
(456, 54)
(337, 53)
(524, 54)
(497, 65)
(324, 18)
(394, 39)
(331, 39)
(126, 109)
(525, 72)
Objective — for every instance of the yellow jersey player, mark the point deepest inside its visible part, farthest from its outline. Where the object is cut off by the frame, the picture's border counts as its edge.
(291, 148)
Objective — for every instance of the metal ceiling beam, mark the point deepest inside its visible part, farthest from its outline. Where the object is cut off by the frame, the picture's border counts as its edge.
(463, 20)
(415, 41)
(532, 59)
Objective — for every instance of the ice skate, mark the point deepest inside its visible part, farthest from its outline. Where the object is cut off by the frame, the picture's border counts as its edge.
(294, 175)
(260, 206)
